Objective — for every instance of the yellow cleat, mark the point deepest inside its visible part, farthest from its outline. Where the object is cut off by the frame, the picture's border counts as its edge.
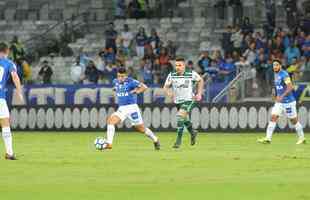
(264, 140)
(301, 141)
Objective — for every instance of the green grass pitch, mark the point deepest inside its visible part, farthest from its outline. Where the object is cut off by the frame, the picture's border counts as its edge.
(65, 166)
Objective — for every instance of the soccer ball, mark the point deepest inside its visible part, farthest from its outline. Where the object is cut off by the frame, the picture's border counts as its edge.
(100, 143)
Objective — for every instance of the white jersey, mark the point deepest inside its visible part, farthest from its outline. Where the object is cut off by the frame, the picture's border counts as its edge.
(183, 85)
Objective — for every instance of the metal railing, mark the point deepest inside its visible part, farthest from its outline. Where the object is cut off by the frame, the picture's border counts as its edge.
(238, 78)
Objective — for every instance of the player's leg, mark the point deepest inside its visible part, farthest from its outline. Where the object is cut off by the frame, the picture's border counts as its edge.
(187, 122)
(275, 113)
(113, 120)
(6, 130)
(136, 120)
(141, 128)
(7, 138)
(291, 113)
(181, 118)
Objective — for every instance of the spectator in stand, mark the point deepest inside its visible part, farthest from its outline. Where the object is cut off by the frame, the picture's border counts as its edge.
(247, 27)
(20, 71)
(259, 40)
(243, 64)
(171, 49)
(305, 65)
(77, 72)
(292, 52)
(120, 11)
(300, 39)
(291, 13)
(146, 72)
(45, 73)
(154, 39)
(92, 74)
(120, 57)
(83, 57)
(264, 70)
(204, 62)
(110, 72)
(293, 69)
(134, 9)
(99, 60)
(237, 38)
(110, 37)
(306, 47)
(250, 53)
(17, 49)
(109, 56)
(149, 54)
(141, 41)
(163, 58)
(228, 69)
(190, 65)
(278, 44)
(126, 39)
(227, 44)
(26, 70)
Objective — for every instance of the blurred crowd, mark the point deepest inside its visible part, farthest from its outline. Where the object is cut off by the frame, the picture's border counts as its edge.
(121, 48)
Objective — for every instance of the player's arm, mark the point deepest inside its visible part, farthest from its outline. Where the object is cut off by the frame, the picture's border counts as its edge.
(200, 85)
(289, 88)
(17, 84)
(167, 87)
(140, 89)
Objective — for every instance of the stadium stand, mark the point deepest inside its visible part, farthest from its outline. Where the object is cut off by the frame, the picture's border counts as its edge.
(57, 30)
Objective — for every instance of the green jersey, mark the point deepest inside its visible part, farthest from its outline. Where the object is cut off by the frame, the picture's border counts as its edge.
(183, 85)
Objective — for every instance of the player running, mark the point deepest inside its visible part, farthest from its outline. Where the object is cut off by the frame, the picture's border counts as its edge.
(285, 102)
(183, 82)
(7, 69)
(126, 90)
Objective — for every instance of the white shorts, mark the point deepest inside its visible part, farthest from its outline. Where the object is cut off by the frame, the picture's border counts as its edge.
(4, 110)
(131, 112)
(288, 108)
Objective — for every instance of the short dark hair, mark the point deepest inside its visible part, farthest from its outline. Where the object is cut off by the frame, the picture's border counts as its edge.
(278, 61)
(122, 70)
(3, 47)
(180, 59)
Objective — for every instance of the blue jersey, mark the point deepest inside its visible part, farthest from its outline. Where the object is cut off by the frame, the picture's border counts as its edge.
(6, 67)
(280, 80)
(123, 91)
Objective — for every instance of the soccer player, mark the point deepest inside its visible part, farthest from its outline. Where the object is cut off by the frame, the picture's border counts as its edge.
(285, 102)
(7, 68)
(184, 82)
(126, 90)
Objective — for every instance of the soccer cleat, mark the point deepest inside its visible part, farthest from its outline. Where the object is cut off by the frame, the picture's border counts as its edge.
(193, 137)
(157, 145)
(264, 140)
(109, 146)
(10, 157)
(176, 146)
(301, 141)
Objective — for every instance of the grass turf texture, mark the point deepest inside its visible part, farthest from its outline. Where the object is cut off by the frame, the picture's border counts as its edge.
(222, 166)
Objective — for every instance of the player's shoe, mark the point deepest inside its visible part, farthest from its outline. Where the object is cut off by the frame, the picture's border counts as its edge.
(264, 141)
(109, 146)
(193, 137)
(10, 157)
(301, 141)
(157, 145)
(176, 145)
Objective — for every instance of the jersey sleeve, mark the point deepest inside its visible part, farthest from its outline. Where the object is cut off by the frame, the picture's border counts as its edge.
(196, 76)
(168, 81)
(12, 67)
(286, 78)
(134, 83)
